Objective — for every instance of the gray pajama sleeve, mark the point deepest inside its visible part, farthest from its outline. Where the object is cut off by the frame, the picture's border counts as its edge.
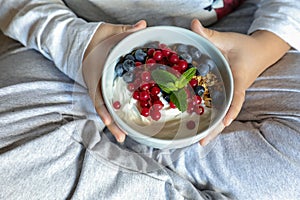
(281, 17)
(50, 28)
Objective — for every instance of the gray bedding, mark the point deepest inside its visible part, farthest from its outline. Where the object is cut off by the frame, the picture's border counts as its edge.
(52, 146)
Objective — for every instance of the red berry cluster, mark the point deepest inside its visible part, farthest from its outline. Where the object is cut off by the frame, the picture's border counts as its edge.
(194, 105)
(146, 91)
(166, 56)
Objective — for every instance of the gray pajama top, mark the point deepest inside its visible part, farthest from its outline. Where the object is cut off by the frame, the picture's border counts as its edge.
(54, 146)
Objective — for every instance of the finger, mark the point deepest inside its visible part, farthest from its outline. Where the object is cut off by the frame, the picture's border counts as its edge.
(107, 30)
(205, 32)
(235, 107)
(117, 132)
(217, 38)
(138, 26)
(117, 29)
(212, 135)
(213, 36)
(101, 109)
(107, 119)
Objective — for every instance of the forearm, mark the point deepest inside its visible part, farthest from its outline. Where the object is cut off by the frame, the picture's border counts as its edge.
(51, 28)
(269, 49)
(281, 17)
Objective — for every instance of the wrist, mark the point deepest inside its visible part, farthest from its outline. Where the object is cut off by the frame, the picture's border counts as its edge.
(270, 47)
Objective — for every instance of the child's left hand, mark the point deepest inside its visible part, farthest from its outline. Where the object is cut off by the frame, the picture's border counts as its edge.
(248, 56)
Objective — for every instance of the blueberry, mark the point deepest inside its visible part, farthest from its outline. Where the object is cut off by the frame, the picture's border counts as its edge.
(199, 90)
(129, 57)
(211, 64)
(190, 65)
(194, 52)
(129, 65)
(119, 70)
(140, 55)
(182, 48)
(187, 57)
(128, 77)
(218, 98)
(202, 70)
(166, 96)
(153, 45)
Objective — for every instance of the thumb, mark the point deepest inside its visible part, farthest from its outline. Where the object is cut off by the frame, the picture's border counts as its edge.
(216, 37)
(138, 26)
(209, 34)
(117, 29)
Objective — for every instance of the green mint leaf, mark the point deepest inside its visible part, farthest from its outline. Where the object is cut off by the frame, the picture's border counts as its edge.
(179, 98)
(171, 86)
(165, 80)
(177, 84)
(165, 89)
(186, 77)
(163, 77)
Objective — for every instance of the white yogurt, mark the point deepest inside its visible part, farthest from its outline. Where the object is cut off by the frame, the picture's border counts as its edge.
(172, 124)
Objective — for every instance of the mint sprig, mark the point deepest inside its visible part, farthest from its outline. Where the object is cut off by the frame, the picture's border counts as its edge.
(174, 86)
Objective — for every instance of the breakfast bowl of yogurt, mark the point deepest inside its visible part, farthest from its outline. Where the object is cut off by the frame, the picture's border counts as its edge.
(166, 87)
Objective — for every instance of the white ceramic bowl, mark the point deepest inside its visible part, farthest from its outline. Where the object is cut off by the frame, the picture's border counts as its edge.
(167, 35)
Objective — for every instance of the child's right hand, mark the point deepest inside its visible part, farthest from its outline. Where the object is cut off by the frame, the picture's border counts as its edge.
(106, 36)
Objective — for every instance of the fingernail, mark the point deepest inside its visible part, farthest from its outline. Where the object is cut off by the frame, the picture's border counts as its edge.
(136, 24)
(204, 142)
(120, 138)
(200, 24)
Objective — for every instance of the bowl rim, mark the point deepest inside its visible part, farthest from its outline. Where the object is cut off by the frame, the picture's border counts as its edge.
(158, 142)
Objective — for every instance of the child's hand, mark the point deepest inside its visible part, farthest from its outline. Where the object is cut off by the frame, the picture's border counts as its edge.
(248, 56)
(104, 39)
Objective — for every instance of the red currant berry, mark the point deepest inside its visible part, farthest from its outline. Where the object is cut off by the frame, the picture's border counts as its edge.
(182, 65)
(162, 46)
(145, 112)
(131, 87)
(146, 76)
(176, 67)
(154, 98)
(144, 104)
(137, 82)
(150, 52)
(155, 114)
(138, 64)
(194, 82)
(166, 53)
(197, 100)
(190, 108)
(174, 58)
(136, 95)
(145, 86)
(155, 90)
(199, 110)
(157, 105)
(172, 105)
(152, 84)
(150, 61)
(117, 105)
(144, 95)
(157, 55)
(191, 124)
